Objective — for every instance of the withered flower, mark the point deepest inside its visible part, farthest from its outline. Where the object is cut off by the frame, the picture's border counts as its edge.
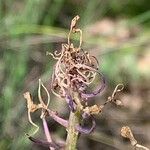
(74, 72)
(127, 133)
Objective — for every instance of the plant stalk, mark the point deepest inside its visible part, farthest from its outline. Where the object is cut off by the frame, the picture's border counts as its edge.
(47, 132)
(72, 136)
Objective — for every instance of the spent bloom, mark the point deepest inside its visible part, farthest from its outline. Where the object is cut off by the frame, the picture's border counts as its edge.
(127, 133)
(73, 75)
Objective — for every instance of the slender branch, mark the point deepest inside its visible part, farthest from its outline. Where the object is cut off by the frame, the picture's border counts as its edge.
(47, 132)
(72, 136)
(140, 147)
(74, 120)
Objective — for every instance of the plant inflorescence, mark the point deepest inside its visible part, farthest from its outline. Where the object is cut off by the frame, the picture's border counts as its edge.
(73, 75)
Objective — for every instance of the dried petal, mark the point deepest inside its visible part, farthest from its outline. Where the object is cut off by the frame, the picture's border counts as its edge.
(92, 110)
(117, 89)
(70, 103)
(86, 130)
(39, 94)
(126, 132)
(31, 106)
(97, 91)
(118, 102)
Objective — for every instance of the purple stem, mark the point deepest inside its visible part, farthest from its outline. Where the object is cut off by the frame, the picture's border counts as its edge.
(47, 132)
(61, 121)
(65, 123)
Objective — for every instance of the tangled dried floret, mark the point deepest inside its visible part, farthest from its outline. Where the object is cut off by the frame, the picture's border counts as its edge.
(75, 71)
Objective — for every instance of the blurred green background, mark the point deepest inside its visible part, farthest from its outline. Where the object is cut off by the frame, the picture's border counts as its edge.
(116, 32)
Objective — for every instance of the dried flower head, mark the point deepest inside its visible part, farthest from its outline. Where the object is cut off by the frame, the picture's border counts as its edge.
(75, 69)
(127, 133)
(73, 75)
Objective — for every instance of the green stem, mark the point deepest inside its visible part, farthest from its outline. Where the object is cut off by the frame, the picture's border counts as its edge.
(72, 137)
